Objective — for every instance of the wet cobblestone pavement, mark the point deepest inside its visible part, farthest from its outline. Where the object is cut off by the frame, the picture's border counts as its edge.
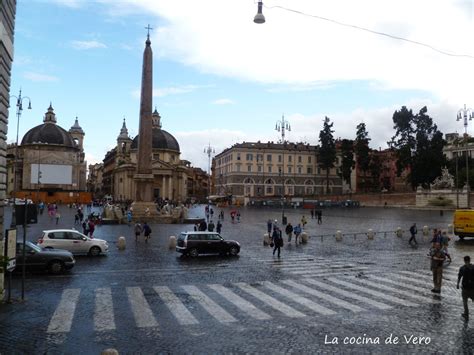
(326, 296)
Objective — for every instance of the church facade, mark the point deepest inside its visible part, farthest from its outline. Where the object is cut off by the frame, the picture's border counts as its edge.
(49, 163)
(170, 173)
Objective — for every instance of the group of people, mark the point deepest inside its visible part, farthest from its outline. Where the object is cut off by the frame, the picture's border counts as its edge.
(276, 237)
(139, 229)
(203, 226)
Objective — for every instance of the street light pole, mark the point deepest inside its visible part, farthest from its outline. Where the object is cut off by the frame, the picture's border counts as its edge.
(281, 126)
(209, 150)
(19, 110)
(466, 114)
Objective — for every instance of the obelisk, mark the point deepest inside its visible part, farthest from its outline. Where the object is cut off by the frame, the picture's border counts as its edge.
(144, 205)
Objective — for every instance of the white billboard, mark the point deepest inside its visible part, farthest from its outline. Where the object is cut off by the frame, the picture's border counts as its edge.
(51, 174)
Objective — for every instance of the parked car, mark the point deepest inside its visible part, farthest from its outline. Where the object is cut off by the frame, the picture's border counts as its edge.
(39, 259)
(195, 243)
(74, 241)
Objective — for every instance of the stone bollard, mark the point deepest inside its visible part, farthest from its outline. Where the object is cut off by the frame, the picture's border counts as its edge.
(338, 236)
(304, 237)
(450, 229)
(172, 242)
(121, 243)
(426, 231)
(399, 232)
(370, 234)
(266, 239)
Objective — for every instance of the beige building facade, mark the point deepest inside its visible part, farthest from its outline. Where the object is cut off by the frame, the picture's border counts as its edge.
(265, 170)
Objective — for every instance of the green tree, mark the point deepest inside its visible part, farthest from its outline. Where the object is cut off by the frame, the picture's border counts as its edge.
(327, 150)
(419, 146)
(347, 164)
(362, 150)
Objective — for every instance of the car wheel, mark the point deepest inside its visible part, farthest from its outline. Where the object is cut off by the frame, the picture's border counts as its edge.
(56, 267)
(94, 251)
(233, 251)
(193, 252)
(461, 237)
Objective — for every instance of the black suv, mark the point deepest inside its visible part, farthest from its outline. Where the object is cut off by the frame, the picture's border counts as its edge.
(195, 243)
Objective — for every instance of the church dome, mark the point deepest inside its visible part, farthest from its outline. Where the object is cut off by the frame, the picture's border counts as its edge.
(49, 132)
(161, 140)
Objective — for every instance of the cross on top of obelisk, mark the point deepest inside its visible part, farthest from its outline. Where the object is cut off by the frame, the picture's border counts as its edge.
(148, 28)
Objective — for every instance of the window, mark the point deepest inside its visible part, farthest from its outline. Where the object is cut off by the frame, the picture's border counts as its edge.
(249, 168)
(280, 158)
(299, 158)
(269, 189)
(319, 171)
(299, 170)
(269, 157)
(238, 156)
(249, 157)
(238, 167)
(259, 157)
(259, 168)
(309, 170)
(269, 169)
(289, 158)
(309, 159)
(289, 170)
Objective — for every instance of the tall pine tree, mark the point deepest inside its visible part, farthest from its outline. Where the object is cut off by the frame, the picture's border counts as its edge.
(327, 150)
(362, 150)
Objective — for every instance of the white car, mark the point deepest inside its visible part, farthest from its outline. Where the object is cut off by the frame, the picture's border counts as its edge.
(73, 241)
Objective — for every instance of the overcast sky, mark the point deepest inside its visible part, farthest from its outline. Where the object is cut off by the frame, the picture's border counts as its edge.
(221, 79)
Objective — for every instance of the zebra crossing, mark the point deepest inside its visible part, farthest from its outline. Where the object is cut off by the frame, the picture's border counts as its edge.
(233, 303)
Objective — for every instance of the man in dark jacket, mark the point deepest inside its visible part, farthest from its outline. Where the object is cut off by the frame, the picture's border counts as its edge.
(466, 273)
(289, 231)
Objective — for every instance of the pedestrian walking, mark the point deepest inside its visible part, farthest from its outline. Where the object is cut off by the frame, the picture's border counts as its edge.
(57, 217)
(76, 219)
(413, 232)
(202, 226)
(466, 273)
(238, 216)
(444, 244)
(312, 213)
(146, 231)
(297, 230)
(320, 217)
(138, 230)
(437, 260)
(85, 227)
(303, 222)
(210, 226)
(129, 217)
(91, 228)
(277, 240)
(269, 226)
(219, 227)
(289, 231)
(222, 215)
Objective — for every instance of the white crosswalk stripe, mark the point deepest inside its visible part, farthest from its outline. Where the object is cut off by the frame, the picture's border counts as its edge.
(320, 272)
(182, 314)
(208, 304)
(141, 309)
(372, 292)
(61, 320)
(269, 300)
(240, 302)
(428, 284)
(397, 290)
(299, 299)
(104, 310)
(348, 294)
(323, 296)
